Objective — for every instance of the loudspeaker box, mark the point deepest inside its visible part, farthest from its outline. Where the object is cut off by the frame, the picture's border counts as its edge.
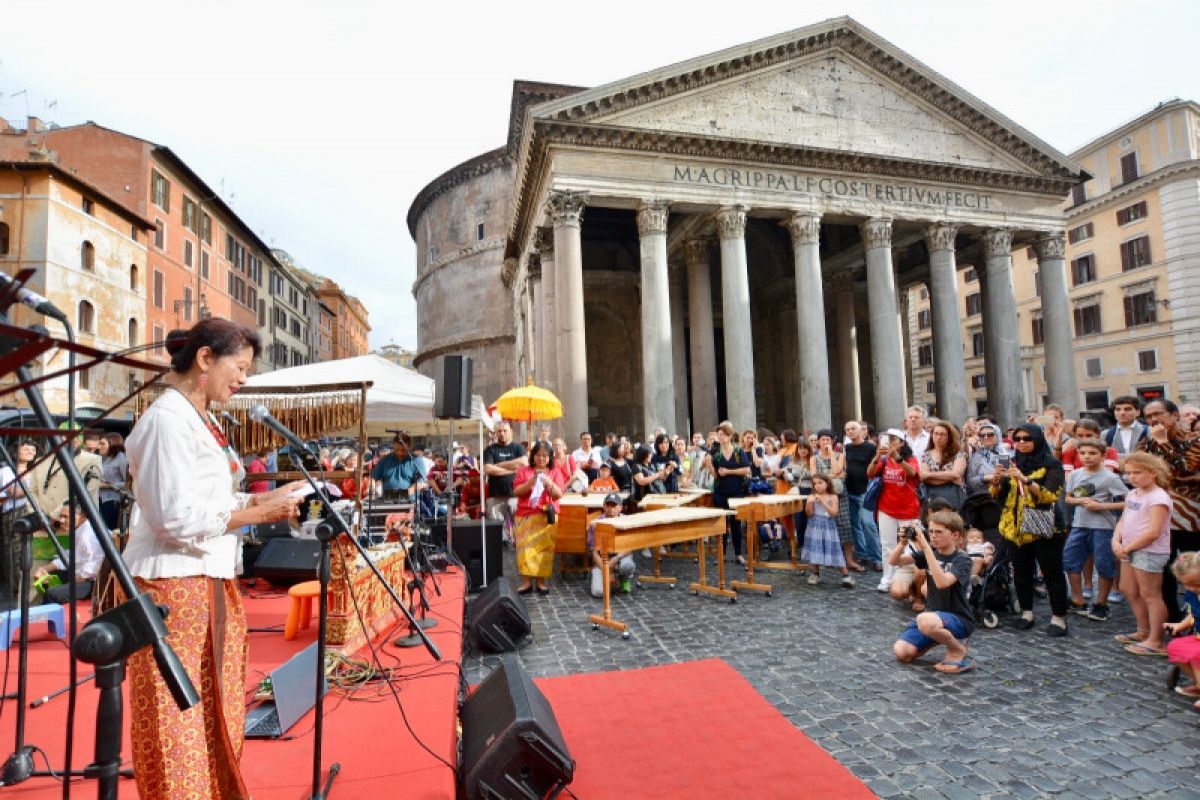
(498, 617)
(284, 562)
(512, 745)
(468, 548)
(452, 392)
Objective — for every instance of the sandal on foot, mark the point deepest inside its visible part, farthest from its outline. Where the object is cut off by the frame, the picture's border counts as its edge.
(1125, 638)
(1188, 691)
(1141, 650)
(955, 667)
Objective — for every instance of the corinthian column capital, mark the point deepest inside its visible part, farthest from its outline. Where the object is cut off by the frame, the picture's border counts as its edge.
(997, 242)
(1051, 245)
(696, 251)
(565, 209)
(876, 232)
(940, 236)
(731, 222)
(805, 227)
(652, 218)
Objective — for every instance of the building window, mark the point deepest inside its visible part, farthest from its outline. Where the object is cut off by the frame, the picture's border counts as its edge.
(86, 321)
(1037, 331)
(1037, 283)
(480, 234)
(1081, 232)
(85, 379)
(1087, 320)
(925, 355)
(970, 276)
(189, 213)
(206, 228)
(160, 235)
(158, 338)
(3, 238)
(296, 328)
(974, 304)
(1129, 167)
(1147, 360)
(1083, 270)
(978, 381)
(204, 264)
(1030, 254)
(160, 191)
(1093, 367)
(133, 232)
(1078, 194)
(89, 207)
(1135, 253)
(187, 304)
(157, 289)
(132, 331)
(1132, 213)
(133, 277)
(1140, 309)
(924, 293)
(187, 253)
(1096, 401)
(923, 319)
(977, 343)
(262, 313)
(930, 388)
(87, 257)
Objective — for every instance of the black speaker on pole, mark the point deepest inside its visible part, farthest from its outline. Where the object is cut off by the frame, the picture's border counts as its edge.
(452, 393)
(468, 547)
(512, 745)
(499, 619)
(284, 562)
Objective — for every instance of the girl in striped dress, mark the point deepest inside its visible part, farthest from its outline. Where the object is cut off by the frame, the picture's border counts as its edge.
(822, 547)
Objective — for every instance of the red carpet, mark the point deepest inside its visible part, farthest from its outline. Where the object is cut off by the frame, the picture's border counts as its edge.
(364, 732)
(694, 730)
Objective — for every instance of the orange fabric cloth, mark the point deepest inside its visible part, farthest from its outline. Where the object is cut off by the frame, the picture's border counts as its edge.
(180, 755)
(604, 485)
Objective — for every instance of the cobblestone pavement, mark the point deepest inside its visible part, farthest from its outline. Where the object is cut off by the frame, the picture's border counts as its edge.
(1072, 718)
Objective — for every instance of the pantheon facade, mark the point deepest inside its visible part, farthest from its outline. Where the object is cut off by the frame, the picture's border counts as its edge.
(729, 238)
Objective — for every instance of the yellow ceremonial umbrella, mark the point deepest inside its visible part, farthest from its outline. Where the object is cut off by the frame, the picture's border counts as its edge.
(528, 403)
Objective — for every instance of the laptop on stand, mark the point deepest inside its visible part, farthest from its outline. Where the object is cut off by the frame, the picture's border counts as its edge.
(293, 685)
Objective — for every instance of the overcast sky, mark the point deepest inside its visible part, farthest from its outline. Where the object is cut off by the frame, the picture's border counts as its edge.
(322, 120)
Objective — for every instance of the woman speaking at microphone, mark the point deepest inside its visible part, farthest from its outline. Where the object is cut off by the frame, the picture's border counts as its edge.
(183, 550)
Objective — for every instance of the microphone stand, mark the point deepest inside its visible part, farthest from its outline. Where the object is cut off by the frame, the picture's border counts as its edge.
(109, 638)
(421, 568)
(327, 531)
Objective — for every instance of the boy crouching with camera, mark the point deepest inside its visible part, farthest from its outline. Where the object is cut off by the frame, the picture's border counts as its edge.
(947, 619)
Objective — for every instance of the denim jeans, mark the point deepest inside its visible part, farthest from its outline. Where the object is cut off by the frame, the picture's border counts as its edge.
(866, 536)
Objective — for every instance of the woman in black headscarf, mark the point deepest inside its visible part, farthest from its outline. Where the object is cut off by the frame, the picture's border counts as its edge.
(1027, 491)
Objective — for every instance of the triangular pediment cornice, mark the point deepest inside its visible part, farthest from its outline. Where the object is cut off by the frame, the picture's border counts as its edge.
(842, 33)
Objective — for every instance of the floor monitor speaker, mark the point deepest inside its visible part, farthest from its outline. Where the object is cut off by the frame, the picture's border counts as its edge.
(452, 392)
(499, 619)
(512, 745)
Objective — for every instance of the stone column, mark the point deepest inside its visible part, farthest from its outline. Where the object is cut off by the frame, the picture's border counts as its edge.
(950, 372)
(1057, 331)
(678, 350)
(887, 351)
(813, 362)
(658, 372)
(703, 355)
(565, 210)
(847, 351)
(1002, 345)
(548, 311)
(535, 316)
(740, 400)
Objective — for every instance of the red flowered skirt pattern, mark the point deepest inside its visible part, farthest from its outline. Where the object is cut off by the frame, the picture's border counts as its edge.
(194, 753)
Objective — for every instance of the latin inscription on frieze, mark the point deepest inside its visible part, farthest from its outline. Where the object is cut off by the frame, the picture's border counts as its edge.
(826, 186)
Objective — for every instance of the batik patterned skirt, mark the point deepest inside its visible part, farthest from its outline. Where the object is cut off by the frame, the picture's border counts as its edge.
(535, 546)
(194, 753)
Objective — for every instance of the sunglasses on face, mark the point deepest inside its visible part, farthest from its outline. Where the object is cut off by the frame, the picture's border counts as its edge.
(1022, 438)
(987, 436)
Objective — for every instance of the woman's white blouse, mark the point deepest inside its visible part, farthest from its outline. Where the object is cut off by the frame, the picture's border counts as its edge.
(183, 487)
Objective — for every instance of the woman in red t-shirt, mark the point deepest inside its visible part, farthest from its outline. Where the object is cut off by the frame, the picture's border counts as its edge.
(899, 505)
(351, 487)
(538, 492)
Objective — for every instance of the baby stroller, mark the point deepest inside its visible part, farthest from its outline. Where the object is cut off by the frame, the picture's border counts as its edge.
(996, 591)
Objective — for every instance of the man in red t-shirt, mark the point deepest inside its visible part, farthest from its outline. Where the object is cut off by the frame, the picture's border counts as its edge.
(258, 464)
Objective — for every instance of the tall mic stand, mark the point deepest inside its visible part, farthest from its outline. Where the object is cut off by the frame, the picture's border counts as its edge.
(421, 569)
(110, 638)
(329, 530)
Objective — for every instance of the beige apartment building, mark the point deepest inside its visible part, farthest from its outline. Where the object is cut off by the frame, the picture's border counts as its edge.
(1133, 272)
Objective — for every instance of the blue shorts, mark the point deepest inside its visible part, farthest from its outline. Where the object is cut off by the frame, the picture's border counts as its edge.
(951, 622)
(1094, 542)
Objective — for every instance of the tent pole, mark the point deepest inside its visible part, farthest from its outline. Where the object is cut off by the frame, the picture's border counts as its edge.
(362, 446)
(483, 510)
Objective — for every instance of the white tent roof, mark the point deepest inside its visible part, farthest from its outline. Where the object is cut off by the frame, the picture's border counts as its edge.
(398, 398)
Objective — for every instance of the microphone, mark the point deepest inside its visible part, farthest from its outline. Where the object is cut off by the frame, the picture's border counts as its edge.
(34, 300)
(260, 414)
(231, 419)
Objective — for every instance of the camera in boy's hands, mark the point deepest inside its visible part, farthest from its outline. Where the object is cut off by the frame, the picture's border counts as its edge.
(910, 533)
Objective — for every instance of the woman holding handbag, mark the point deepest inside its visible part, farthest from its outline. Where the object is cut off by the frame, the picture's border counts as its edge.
(943, 465)
(1027, 491)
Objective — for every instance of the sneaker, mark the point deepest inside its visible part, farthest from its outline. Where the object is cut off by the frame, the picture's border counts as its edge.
(883, 586)
(1081, 609)
(1116, 597)
(847, 582)
(646, 552)
(1098, 612)
(626, 586)
(814, 579)
(1087, 593)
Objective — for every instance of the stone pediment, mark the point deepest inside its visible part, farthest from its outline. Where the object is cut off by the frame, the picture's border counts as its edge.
(833, 86)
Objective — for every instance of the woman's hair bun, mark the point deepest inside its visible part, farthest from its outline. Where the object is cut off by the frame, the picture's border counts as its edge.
(175, 341)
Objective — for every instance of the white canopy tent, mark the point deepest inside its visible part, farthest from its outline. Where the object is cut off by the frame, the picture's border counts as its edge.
(397, 397)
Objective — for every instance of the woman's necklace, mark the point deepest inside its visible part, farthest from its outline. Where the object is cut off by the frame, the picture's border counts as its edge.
(210, 422)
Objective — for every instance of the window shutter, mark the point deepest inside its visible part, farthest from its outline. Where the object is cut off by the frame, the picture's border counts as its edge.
(1129, 312)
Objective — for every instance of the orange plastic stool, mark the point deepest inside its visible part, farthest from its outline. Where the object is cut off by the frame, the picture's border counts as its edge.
(300, 613)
